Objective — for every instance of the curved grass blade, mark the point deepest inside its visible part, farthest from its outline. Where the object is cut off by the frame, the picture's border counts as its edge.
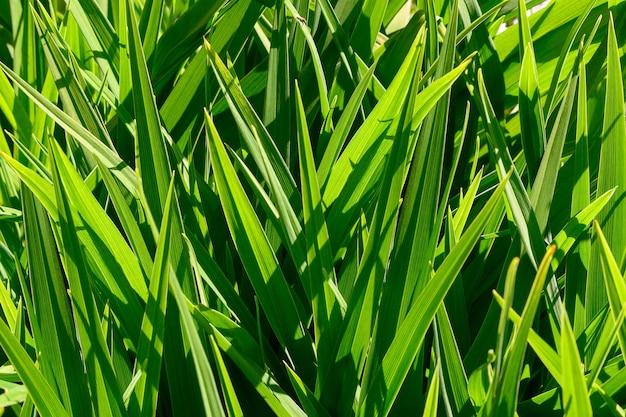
(360, 165)
(569, 235)
(230, 396)
(310, 403)
(432, 398)
(610, 174)
(152, 159)
(109, 157)
(340, 135)
(506, 391)
(578, 262)
(613, 281)
(143, 401)
(206, 380)
(247, 119)
(326, 310)
(532, 123)
(54, 332)
(266, 386)
(104, 388)
(361, 314)
(388, 379)
(258, 258)
(43, 396)
(101, 239)
(211, 273)
(575, 395)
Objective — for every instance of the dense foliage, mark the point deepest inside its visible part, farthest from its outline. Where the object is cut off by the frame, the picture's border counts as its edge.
(321, 208)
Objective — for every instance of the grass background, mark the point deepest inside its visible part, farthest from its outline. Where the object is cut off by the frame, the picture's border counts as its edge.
(312, 208)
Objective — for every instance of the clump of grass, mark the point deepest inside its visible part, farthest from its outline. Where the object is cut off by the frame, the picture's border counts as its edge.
(312, 208)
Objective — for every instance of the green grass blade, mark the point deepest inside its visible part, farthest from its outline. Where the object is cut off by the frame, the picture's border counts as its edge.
(280, 403)
(71, 92)
(340, 135)
(420, 222)
(108, 156)
(246, 353)
(181, 39)
(280, 212)
(43, 396)
(567, 45)
(408, 340)
(143, 402)
(525, 36)
(258, 258)
(129, 223)
(613, 281)
(100, 37)
(548, 356)
(206, 380)
(452, 368)
(277, 109)
(610, 174)
(532, 123)
(310, 403)
(149, 26)
(367, 27)
(230, 395)
(432, 398)
(316, 59)
(247, 119)
(544, 185)
(604, 349)
(360, 320)
(509, 292)
(326, 310)
(360, 165)
(101, 239)
(152, 160)
(575, 395)
(211, 273)
(517, 197)
(61, 362)
(340, 38)
(569, 235)
(578, 262)
(505, 395)
(104, 388)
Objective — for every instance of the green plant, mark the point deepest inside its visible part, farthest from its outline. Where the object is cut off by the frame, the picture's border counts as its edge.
(312, 208)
